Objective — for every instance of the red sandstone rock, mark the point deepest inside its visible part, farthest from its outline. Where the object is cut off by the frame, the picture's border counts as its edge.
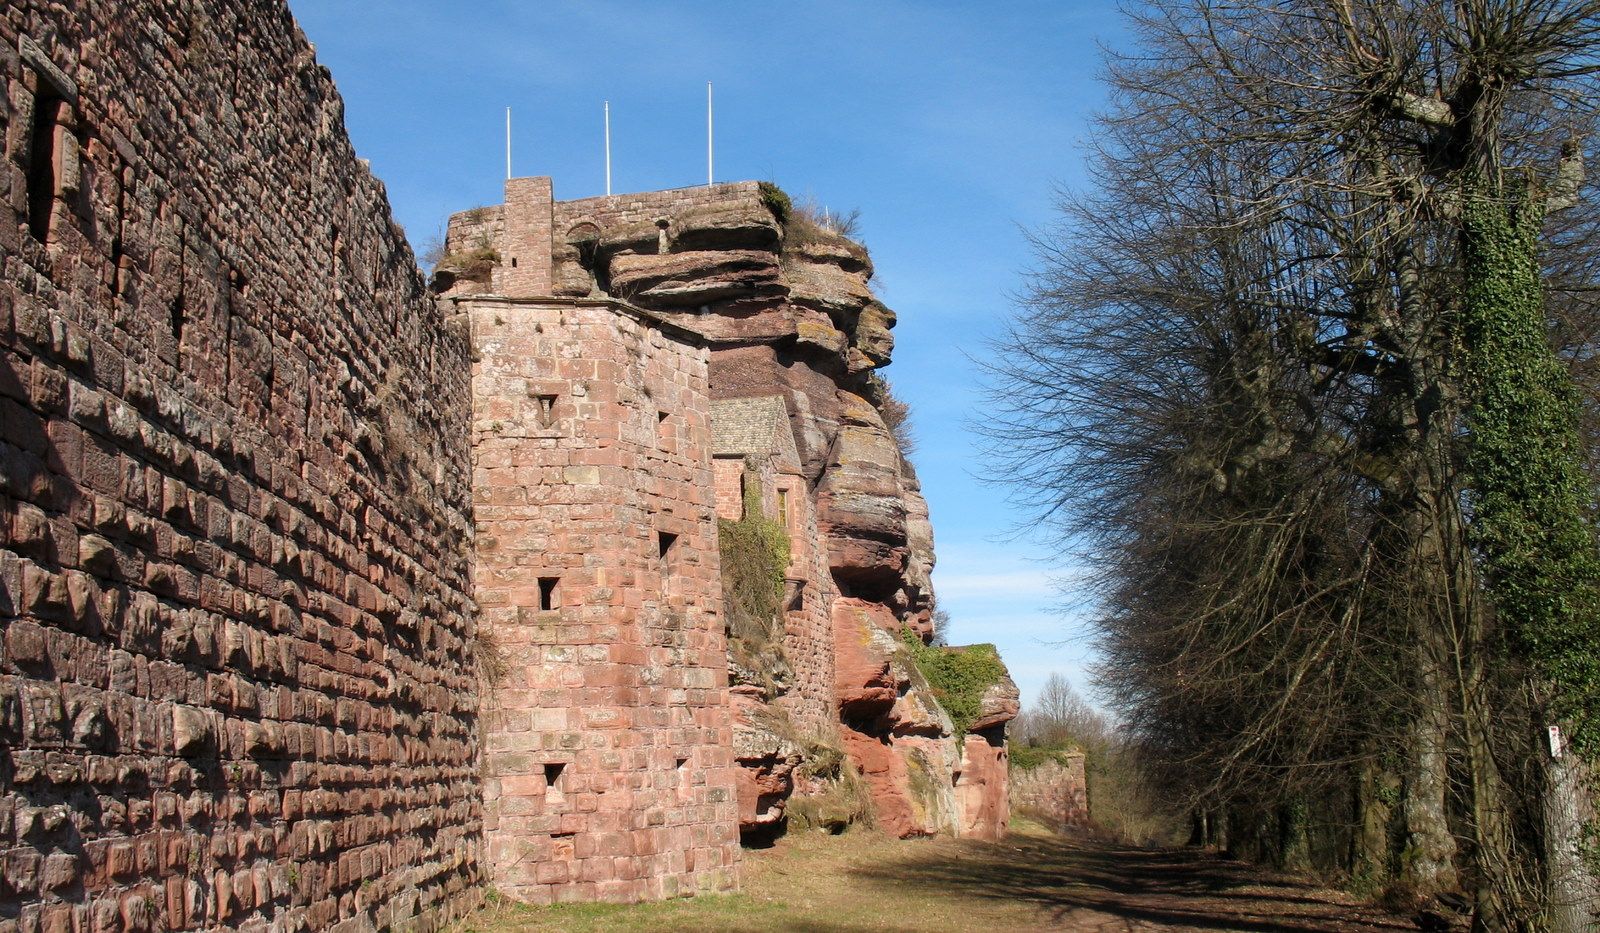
(794, 320)
(702, 277)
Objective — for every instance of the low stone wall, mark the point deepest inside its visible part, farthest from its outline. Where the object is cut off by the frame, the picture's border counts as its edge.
(1055, 791)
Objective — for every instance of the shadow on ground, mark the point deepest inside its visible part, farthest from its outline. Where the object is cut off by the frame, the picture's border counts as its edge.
(1085, 884)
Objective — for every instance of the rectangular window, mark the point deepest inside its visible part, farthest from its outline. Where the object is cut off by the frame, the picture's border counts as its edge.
(549, 593)
(546, 411)
(783, 507)
(42, 177)
(552, 781)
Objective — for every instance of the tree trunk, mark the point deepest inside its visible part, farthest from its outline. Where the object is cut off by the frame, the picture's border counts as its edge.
(1572, 897)
(1294, 848)
(1428, 863)
(1377, 791)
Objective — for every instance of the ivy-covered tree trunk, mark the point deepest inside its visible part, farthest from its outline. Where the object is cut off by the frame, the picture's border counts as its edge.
(1531, 501)
(1377, 791)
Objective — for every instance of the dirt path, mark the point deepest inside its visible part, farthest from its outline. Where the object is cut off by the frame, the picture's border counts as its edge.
(1032, 881)
(1081, 884)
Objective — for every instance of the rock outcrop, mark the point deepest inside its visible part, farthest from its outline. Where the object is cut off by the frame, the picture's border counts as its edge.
(786, 306)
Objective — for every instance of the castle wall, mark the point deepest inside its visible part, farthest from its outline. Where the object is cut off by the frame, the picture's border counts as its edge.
(787, 310)
(236, 688)
(608, 760)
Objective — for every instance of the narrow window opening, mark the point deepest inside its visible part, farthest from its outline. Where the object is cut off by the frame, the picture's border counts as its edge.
(175, 315)
(42, 162)
(664, 548)
(744, 495)
(546, 409)
(661, 417)
(513, 262)
(116, 265)
(549, 593)
(681, 763)
(552, 781)
(783, 507)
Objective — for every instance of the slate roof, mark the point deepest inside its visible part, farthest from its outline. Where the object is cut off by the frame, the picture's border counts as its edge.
(742, 427)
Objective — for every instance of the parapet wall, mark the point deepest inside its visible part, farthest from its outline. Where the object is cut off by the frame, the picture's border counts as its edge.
(237, 685)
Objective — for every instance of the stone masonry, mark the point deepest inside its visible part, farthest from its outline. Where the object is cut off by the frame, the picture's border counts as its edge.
(608, 762)
(329, 597)
(236, 689)
(795, 336)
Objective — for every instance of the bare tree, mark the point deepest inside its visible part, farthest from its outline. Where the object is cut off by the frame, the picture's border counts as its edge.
(1242, 382)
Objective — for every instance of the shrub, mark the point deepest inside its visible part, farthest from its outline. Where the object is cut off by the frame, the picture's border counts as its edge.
(776, 201)
(755, 559)
(959, 676)
(896, 413)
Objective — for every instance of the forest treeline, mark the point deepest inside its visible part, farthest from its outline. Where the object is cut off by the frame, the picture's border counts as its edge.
(1308, 380)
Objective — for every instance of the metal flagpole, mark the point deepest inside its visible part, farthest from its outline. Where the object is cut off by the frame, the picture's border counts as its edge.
(608, 148)
(710, 175)
(508, 143)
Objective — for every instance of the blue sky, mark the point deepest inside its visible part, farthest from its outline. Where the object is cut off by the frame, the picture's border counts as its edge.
(948, 125)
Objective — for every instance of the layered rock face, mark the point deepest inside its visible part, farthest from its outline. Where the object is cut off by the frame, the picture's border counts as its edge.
(787, 309)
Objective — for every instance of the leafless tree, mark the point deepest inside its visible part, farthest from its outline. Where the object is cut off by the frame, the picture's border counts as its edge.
(1236, 384)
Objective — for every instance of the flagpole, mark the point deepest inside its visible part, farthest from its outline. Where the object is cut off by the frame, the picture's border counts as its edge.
(508, 143)
(608, 148)
(710, 175)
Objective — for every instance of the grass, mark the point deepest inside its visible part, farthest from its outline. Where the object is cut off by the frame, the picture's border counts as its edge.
(809, 881)
(1032, 880)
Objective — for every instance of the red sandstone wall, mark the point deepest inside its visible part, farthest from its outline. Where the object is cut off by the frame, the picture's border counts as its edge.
(1055, 791)
(623, 683)
(236, 688)
(788, 311)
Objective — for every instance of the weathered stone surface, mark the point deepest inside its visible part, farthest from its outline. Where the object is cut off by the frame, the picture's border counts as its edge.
(1055, 791)
(826, 288)
(609, 729)
(701, 277)
(1001, 703)
(725, 225)
(767, 762)
(237, 688)
(872, 337)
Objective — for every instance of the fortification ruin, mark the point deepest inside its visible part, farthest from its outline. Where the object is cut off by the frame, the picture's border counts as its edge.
(331, 597)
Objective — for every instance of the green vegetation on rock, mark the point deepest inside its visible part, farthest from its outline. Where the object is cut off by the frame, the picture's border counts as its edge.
(755, 558)
(959, 676)
(776, 201)
(1025, 757)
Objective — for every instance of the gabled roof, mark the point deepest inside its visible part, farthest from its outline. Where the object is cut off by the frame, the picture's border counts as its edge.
(743, 427)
